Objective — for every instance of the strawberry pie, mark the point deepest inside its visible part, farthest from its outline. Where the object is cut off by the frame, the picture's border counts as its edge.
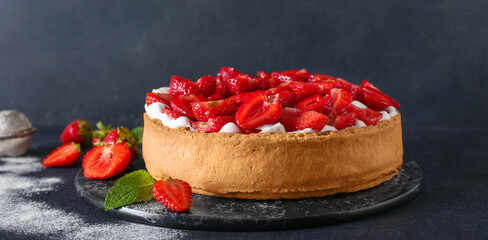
(289, 134)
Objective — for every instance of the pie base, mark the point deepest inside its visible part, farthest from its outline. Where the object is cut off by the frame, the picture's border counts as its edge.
(274, 165)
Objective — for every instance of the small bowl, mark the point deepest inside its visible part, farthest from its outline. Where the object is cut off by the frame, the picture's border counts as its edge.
(16, 143)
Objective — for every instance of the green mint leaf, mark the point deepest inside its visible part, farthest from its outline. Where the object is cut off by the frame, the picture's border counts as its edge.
(131, 188)
(137, 132)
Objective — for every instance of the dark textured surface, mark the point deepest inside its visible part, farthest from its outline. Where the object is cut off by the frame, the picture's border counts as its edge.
(97, 59)
(213, 213)
(452, 204)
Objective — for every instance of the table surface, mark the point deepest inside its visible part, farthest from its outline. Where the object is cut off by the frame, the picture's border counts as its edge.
(38, 202)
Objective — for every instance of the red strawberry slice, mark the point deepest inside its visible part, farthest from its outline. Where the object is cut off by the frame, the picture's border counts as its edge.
(264, 75)
(173, 193)
(376, 99)
(303, 90)
(355, 92)
(345, 121)
(259, 84)
(123, 135)
(181, 105)
(215, 97)
(368, 116)
(181, 86)
(170, 113)
(153, 97)
(106, 161)
(280, 88)
(257, 111)
(341, 99)
(316, 103)
(285, 98)
(205, 110)
(365, 83)
(214, 124)
(294, 119)
(207, 85)
(241, 97)
(239, 84)
(301, 75)
(64, 156)
(221, 87)
(353, 89)
(280, 78)
(78, 131)
(227, 72)
(318, 77)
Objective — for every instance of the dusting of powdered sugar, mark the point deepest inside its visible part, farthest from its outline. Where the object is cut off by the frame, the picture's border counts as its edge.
(22, 215)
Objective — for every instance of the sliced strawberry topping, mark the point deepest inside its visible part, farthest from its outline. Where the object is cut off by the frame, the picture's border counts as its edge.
(181, 86)
(341, 99)
(181, 105)
(241, 97)
(222, 87)
(205, 110)
(345, 121)
(106, 161)
(376, 99)
(285, 98)
(257, 111)
(264, 75)
(215, 97)
(239, 84)
(365, 83)
(368, 116)
(214, 124)
(318, 77)
(173, 194)
(301, 75)
(153, 97)
(316, 103)
(280, 88)
(64, 156)
(227, 72)
(294, 119)
(207, 85)
(170, 113)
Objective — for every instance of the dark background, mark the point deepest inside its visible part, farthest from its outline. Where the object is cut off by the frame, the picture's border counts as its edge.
(62, 60)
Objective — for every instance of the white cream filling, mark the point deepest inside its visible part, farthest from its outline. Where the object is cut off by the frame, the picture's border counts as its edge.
(391, 110)
(230, 128)
(359, 104)
(164, 90)
(306, 130)
(328, 128)
(155, 110)
(273, 128)
(384, 116)
(360, 123)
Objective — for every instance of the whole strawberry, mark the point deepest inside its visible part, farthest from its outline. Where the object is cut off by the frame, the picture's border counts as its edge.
(79, 131)
(100, 134)
(123, 135)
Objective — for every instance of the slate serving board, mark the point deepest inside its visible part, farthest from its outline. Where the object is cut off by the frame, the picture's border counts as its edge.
(224, 214)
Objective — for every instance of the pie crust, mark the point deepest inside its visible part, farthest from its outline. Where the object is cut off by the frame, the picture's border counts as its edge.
(275, 165)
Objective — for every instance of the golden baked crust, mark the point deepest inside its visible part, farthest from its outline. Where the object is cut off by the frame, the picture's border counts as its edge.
(275, 165)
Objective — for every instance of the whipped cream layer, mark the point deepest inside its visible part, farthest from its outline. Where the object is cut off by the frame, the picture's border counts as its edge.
(155, 110)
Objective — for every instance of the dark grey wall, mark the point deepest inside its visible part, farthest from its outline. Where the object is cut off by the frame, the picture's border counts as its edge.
(61, 60)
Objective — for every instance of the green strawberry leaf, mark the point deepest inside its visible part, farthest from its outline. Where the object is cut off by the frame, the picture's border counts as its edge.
(137, 132)
(131, 188)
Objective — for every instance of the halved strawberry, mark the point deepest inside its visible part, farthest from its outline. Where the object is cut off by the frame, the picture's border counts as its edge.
(78, 131)
(63, 156)
(316, 103)
(152, 97)
(173, 193)
(285, 98)
(221, 87)
(376, 99)
(102, 131)
(106, 161)
(257, 111)
(171, 113)
(182, 104)
(301, 75)
(345, 121)
(205, 110)
(367, 115)
(241, 97)
(239, 84)
(280, 88)
(303, 90)
(365, 83)
(280, 78)
(318, 77)
(215, 97)
(207, 85)
(181, 86)
(227, 72)
(123, 135)
(341, 99)
(213, 124)
(264, 75)
(294, 119)
(353, 89)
